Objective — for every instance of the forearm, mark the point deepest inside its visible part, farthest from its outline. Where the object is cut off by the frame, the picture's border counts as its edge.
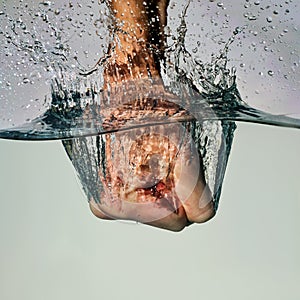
(141, 19)
(139, 39)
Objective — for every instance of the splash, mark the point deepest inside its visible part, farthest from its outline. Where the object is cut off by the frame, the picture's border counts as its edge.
(100, 119)
(44, 55)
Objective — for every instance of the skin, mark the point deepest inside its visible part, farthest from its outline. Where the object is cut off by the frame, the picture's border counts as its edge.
(142, 26)
(153, 174)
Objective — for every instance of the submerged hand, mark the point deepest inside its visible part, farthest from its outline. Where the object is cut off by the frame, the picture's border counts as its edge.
(152, 174)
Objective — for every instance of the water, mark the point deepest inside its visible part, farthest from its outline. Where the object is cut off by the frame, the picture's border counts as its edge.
(52, 75)
(212, 74)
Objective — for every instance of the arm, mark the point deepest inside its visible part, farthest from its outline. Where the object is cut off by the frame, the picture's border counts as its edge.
(138, 39)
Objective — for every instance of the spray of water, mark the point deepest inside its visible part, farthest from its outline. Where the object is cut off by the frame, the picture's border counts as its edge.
(99, 122)
(51, 75)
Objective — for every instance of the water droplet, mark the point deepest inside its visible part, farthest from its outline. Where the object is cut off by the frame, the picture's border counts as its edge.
(46, 3)
(269, 19)
(252, 18)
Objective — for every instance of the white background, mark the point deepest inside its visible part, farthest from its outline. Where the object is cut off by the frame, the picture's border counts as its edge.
(52, 247)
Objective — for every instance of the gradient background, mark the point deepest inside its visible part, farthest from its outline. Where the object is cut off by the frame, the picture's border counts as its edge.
(52, 247)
